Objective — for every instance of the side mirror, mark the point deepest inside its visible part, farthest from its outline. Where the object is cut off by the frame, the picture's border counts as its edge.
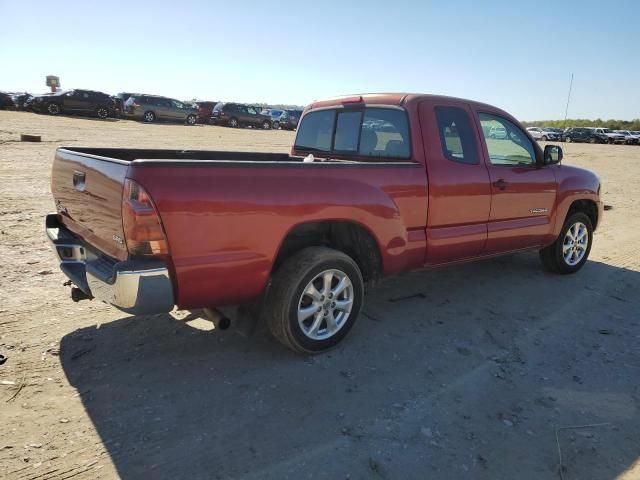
(552, 154)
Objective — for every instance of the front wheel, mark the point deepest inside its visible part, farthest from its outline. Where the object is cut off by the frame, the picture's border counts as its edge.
(314, 299)
(102, 113)
(233, 122)
(567, 139)
(266, 125)
(571, 249)
(191, 120)
(276, 125)
(544, 138)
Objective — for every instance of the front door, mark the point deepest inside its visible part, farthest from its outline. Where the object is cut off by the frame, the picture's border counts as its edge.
(523, 193)
(459, 191)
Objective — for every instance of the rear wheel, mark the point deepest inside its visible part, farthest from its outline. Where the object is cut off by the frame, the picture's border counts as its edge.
(266, 125)
(592, 140)
(102, 112)
(314, 299)
(149, 117)
(233, 122)
(191, 120)
(53, 109)
(567, 139)
(276, 125)
(571, 249)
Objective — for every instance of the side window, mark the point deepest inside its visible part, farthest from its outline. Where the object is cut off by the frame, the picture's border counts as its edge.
(177, 104)
(456, 135)
(315, 133)
(507, 144)
(347, 132)
(385, 133)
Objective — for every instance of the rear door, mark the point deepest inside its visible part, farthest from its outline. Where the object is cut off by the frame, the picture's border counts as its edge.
(459, 193)
(523, 193)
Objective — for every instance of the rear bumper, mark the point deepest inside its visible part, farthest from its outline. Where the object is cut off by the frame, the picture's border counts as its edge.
(135, 286)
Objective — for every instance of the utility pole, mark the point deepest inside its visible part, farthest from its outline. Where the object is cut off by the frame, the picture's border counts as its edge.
(566, 110)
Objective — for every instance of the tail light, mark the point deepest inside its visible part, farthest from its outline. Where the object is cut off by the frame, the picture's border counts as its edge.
(142, 227)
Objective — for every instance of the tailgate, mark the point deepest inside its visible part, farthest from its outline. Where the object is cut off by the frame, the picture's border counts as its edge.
(87, 190)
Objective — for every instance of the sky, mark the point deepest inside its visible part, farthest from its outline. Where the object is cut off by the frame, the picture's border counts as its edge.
(516, 55)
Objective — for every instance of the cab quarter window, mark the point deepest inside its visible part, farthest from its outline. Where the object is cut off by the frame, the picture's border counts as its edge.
(507, 144)
(456, 135)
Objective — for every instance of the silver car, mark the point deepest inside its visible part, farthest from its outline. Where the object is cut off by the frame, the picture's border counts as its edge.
(152, 108)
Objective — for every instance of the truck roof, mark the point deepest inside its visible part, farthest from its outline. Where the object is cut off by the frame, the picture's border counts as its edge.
(399, 98)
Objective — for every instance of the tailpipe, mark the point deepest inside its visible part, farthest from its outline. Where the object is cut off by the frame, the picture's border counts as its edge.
(220, 321)
(77, 295)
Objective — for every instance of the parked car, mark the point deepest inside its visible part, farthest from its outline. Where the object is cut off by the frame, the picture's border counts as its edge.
(152, 108)
(6, 101)
(498, 131)
(204, 110)
(239, 115)
(612, 136)
(289, 119)
(293, 239)
(630, 138)
(21, 101)
(275, 115)
(584, 134)
(83, 102)
(539, 133)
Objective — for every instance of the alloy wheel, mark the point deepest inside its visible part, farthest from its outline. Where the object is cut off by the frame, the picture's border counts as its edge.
(325, 304)
(575, 243)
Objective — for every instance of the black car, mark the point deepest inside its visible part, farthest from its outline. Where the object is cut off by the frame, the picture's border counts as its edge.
(87, 102)
(21, 101)
(239, 115)
(5, 101)
(289, 119)
(583, 134)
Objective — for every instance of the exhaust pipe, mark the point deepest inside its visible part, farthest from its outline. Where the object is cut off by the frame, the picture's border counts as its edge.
(220, 321)
(77, 295)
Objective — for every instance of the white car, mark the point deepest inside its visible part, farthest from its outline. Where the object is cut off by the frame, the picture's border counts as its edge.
(613, 136)
(631, 138)
(539, 133)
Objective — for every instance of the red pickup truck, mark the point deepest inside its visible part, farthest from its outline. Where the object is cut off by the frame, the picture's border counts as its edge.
(374, 185)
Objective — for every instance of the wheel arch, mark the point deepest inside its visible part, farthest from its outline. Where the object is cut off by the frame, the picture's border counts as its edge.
(347, 236)
(586, 206)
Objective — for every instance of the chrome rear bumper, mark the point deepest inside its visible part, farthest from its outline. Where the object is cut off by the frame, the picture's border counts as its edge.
(134, 286)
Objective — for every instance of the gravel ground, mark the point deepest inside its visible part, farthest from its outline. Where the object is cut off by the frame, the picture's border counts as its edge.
(486, 371)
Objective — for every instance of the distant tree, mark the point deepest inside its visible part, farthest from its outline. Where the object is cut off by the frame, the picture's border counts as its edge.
(583, 122)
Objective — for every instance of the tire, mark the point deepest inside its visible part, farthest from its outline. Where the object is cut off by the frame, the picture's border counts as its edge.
(567, 139)
(266, 125)
(554, 258)
(287, 298)
(592, 140)
(544, 138)
(102, 112)
(275, 125)
(233, 122)
(191, 120)
(149, 117)
(53, 109)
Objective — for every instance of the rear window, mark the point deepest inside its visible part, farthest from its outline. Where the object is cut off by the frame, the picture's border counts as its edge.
(372, 132)
(316, 131)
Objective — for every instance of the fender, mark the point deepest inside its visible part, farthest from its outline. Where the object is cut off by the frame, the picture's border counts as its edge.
(575, 184)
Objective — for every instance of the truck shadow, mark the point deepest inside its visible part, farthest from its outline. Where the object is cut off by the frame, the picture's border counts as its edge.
(475, 366)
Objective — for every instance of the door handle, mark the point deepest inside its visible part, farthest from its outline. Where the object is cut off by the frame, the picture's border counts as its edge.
(501, 184)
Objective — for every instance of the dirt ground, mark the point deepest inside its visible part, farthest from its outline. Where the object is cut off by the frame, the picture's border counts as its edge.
(485, 371)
